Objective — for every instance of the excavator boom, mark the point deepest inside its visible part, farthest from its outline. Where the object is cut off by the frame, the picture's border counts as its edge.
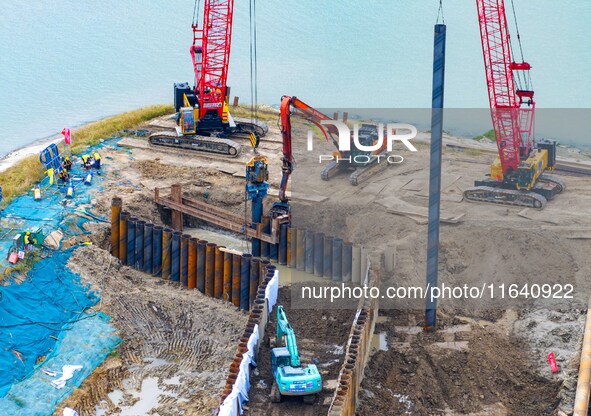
(288, 106)
(284, 329)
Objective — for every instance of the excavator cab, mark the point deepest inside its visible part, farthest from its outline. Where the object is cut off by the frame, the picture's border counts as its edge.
(279, 357)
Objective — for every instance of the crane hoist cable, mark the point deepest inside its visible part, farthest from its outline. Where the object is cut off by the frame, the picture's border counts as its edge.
(196, 9)
(440, 13)
(253, 92)
(526, 82)
(253, 60)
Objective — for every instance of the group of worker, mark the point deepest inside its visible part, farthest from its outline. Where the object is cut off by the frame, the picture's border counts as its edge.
(64, 174)
(89, 161)
(92, 160)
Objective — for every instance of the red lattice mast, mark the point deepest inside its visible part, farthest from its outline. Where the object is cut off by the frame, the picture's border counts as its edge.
(512, 109)
(210, 53)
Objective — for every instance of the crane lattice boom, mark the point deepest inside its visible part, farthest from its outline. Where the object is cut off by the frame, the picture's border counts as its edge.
(512, 109)
(210, 53)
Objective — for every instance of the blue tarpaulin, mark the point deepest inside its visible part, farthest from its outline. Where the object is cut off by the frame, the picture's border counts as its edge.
(46, 321)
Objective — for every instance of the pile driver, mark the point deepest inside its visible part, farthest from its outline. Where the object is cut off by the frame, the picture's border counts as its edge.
(517, 176)
(204, 120)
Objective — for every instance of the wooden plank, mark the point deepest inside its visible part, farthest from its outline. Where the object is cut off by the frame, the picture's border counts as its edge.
(204, 206)
(238, 227)
(447, 182)
(444, 219)
(231, 251)
(176, 195)
(415, 185)
(228, 170)
(298, 196)
(535, 215)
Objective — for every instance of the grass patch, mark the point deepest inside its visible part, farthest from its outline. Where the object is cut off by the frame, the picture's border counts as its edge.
(472, 152)
(489, 135)
(264, 113)
(21, 177)
(91, 134)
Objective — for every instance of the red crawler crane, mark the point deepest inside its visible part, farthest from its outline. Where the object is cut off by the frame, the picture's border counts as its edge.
(517, 173)
(205, 123)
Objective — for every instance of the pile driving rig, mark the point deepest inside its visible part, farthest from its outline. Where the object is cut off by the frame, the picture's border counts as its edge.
(204, 120)
(517, 175)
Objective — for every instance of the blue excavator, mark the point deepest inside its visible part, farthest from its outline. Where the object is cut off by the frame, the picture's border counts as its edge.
(291, 378)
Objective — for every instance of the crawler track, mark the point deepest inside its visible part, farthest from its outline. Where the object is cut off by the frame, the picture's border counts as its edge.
(215, 145)
(210, 144)
(505, 197)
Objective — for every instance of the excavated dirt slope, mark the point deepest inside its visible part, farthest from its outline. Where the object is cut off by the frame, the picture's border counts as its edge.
(177, 344)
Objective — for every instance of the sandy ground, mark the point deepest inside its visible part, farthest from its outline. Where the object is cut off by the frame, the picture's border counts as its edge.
(177, 344)
(34, 148)
(491, 360)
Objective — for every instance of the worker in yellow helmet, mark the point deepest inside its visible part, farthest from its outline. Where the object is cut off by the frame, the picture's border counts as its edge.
(97, 159)
(67, 163)
(85, 161)
(64, 175)
(29, 241)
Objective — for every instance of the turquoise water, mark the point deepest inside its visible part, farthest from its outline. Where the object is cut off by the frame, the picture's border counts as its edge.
(69, 62)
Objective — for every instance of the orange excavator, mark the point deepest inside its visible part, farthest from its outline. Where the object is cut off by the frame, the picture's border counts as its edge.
(342, 161)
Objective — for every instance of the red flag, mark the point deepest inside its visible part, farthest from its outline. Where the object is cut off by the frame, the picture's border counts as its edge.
(552, 361)
(66, 133)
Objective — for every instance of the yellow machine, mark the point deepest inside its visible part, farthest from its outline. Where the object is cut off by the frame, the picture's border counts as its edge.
(189, 116)
(529, 170)
(528, 186)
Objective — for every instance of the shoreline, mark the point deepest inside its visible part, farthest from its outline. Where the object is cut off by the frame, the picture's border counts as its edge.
(21, 169)
(12, 158)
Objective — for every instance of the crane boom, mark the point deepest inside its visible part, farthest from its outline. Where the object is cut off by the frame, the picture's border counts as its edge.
(512, 109)
(210, 53)
(203, 117)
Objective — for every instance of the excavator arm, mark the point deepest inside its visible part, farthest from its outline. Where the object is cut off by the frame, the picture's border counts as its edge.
(292, 105)
(284, 329)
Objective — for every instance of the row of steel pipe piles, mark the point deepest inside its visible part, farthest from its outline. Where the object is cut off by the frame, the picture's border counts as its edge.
(275, 239)
(358, 348)
(193, 263)
(237, 381)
